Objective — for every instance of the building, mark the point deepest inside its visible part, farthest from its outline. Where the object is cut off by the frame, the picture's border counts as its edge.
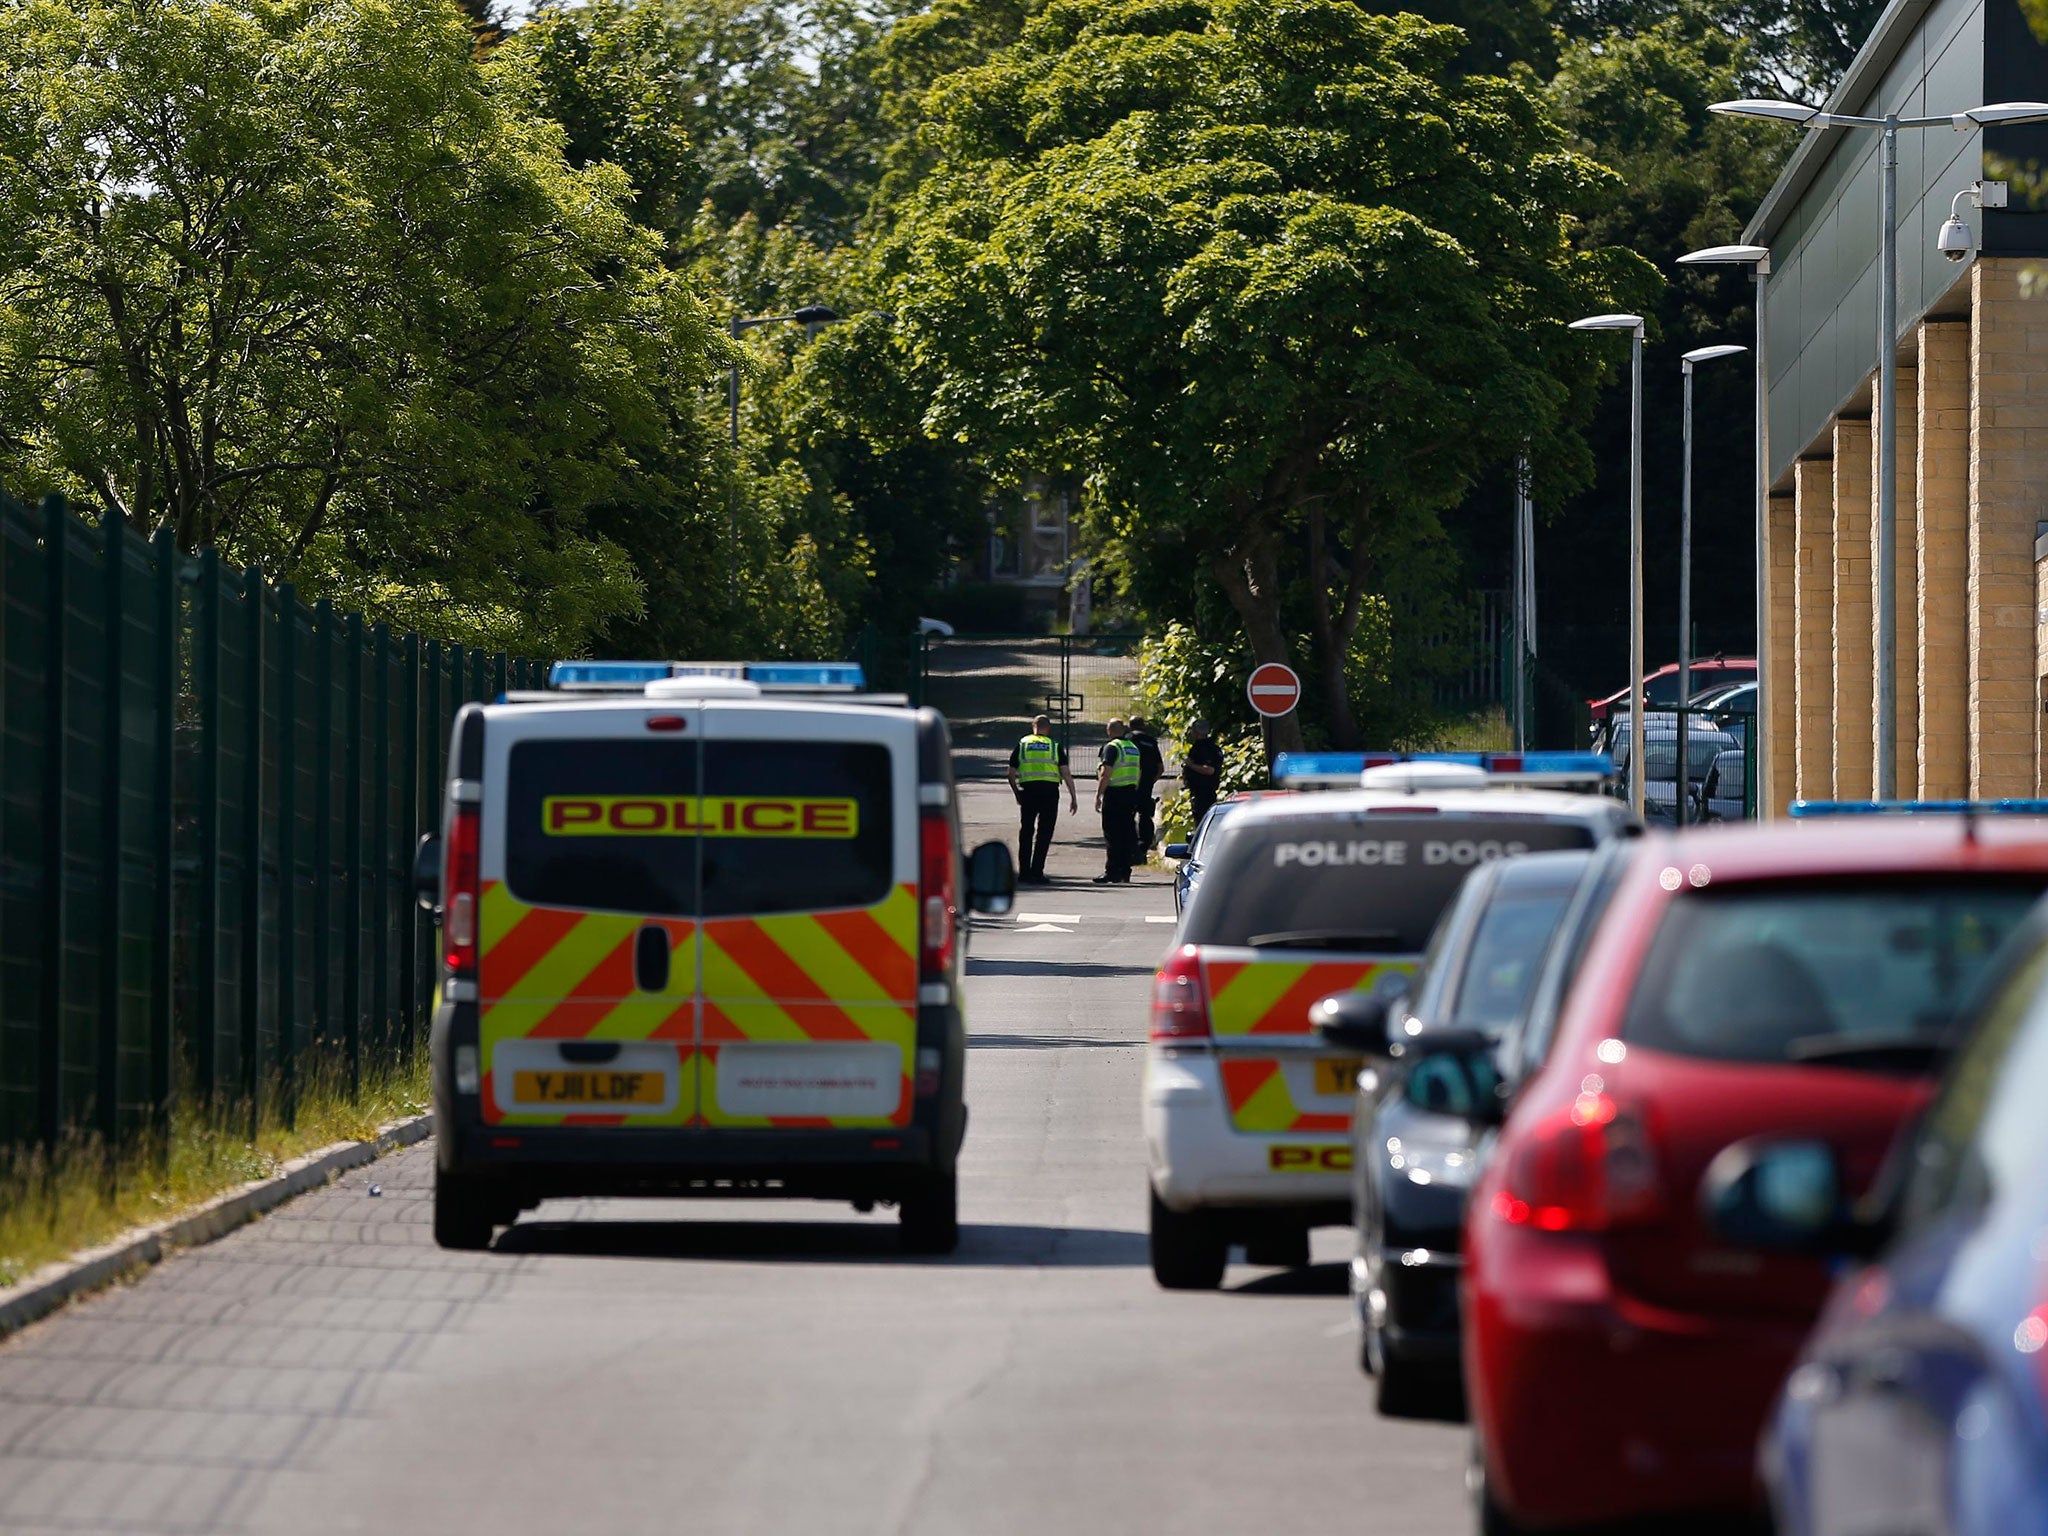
(1972, 445)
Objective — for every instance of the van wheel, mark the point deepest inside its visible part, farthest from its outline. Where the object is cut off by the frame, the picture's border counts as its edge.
(1288, 1250)
(462, 1214)
(1189, 1251)
(930, 1215)
(1406, 1390)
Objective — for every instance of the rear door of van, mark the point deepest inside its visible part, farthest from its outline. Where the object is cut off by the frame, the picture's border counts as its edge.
(588, 964)
(809, 936)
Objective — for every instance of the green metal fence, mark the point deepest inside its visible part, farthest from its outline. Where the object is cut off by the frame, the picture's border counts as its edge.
(209, 798)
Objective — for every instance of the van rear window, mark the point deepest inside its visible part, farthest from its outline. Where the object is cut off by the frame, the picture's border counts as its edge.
(699, 829)
(1374, 883)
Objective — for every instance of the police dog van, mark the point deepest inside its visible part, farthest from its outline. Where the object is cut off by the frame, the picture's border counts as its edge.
(702, 936)
(1247, 1112)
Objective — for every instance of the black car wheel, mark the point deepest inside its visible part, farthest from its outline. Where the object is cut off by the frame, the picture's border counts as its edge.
(462, 1214)
(1189, 1251)
(930, 1215)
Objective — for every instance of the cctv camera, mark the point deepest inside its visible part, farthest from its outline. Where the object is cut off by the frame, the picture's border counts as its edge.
(1956, 241)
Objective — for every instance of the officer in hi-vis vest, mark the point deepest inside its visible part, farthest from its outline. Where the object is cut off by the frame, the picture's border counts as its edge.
(1116, 797)
(1038, 766)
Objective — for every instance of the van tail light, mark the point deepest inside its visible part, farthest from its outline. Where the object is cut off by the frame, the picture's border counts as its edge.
(1586, 1169)
(938, 894)
(459, 925)
(1180, 1003)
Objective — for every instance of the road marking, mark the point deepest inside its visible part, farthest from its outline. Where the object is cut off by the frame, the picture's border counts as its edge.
(1044, 917)
(1044, 928)
(1152, 919)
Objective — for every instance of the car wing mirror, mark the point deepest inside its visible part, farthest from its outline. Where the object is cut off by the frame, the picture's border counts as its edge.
(1451, 1072)
(1785, 1195)
(1176, 850)
(426, 875)
(1353, 1021)
(991, 879)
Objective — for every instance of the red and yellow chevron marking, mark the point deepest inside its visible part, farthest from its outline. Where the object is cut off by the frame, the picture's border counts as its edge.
(1260, 1100)
(1273, 997)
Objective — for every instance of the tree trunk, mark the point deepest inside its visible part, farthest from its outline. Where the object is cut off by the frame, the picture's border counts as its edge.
(1250, 577)
(1335, 632)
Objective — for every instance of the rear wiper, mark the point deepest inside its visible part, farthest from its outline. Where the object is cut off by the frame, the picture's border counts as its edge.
(1908, 1052)
(1323, 938)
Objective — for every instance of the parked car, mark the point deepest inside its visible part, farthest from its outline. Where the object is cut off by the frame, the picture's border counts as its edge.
(1660, 688)
(1771, 980)
(1921, 1402)
(1703, 745)
(1721, 797)
(1413, 1159)
(1193, 854)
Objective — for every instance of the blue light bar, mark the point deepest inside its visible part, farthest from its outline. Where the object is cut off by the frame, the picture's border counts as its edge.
(836, 676)
(1807, 809)
(1317, 765)
(1331, 767)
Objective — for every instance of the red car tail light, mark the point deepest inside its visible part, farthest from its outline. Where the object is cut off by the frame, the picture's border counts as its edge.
(1180, 1003)
(465, 850)
(938, 893)
(1587, 1169)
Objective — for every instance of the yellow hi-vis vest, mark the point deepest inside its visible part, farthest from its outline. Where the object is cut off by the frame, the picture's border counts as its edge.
(1123, 774)
(1038, 760)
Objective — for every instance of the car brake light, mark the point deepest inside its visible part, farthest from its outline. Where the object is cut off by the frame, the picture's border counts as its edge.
(1180, 1003)
(1584, 1170)
(465, 840)
(939, 893)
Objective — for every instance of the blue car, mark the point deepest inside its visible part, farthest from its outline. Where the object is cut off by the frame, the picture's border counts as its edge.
(1190, 853)
(1920, 1404)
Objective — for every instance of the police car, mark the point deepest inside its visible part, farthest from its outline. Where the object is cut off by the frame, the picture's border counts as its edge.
(1247, 1113)
(702, 937)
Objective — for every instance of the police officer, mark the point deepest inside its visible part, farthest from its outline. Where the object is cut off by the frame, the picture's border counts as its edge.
(1151, 769)
(1038, 766)
(1116, 797)
(1201, 772)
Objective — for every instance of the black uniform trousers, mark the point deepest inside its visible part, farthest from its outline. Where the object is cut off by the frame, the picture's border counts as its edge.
(1147, 807)
(1120, 829)
(1199, 802)
(1039, 807)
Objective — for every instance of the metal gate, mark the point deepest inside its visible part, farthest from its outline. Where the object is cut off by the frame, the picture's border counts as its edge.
(989, 686)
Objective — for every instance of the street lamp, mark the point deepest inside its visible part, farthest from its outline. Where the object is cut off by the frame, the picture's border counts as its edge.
(1633, 324)
(1684, 784)
(1887, 366)
(810, 314)
(1758, 259)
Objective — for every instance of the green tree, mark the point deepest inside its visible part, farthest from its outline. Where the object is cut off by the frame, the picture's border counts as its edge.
(288, 278)
(1275, 277)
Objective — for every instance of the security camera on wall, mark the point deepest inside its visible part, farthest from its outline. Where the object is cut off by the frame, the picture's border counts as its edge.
(1956, 241)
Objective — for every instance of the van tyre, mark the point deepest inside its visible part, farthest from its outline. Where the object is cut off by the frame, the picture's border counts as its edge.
(1189, 1251)
(929, 1213)
(1404, 1389)
(462, 1214)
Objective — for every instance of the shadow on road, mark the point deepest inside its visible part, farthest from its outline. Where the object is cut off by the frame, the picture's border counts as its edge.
(1049, 968)
(1311, 1280)
(820, 1242)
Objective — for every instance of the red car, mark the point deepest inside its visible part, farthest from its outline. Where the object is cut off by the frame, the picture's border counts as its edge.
(1789, 979)
(1660, 688)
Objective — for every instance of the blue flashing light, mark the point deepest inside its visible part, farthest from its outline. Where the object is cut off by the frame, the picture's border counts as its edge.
(1806, 810)
(1327, 767)
(807, 674)
(1318, 765)
(1591, 763)
(840, 676)
(605, 674)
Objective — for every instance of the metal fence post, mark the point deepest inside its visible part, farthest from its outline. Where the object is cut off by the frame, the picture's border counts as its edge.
(252, 851)
(352, 863)
(50, 1024)
(107, 1044)
(409, 821)
(206, 941)
(323, 826)
(288, 854)
(380, 849)
(163, 917)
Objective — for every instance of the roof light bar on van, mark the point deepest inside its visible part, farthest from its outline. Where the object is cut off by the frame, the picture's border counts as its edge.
(1307, 770)
(770, 676)
(1805, 810)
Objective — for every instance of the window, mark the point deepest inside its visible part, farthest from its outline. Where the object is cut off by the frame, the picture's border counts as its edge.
(1500, 966)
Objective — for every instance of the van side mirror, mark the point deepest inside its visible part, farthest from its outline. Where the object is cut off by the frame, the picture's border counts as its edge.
(991, 879)
(1783, 1195)
(426, 875)
(1353, 1021)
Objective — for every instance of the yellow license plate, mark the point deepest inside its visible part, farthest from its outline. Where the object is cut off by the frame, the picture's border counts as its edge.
(1338, 1076)
(583, 1087)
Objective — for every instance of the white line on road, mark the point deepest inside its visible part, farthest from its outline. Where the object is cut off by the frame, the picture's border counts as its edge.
(1044, 917)
(1045, 928)
(1153, 918)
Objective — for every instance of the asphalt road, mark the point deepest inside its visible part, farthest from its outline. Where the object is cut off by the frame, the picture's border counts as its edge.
(756, 1367)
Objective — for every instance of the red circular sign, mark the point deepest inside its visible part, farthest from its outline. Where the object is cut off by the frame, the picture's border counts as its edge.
(1274, 689)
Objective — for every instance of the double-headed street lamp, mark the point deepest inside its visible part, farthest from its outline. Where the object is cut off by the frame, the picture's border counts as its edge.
(1689, 361)
(1887, 370)
(1633, 324)
(810, 314)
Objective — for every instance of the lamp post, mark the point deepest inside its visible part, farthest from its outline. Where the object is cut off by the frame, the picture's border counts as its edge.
(1684, 778)
(1887, 366)
(810, 314)
(1633, 324)
(1758, 259)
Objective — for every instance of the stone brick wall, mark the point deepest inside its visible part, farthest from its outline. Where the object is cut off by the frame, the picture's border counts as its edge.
(1852, 603)
(1942, 555)
(1813, 597)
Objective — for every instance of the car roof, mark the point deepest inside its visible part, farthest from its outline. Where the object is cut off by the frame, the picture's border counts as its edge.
(1558, 870)
(1848, 845)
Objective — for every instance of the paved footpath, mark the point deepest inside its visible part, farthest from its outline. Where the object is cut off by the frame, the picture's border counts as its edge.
(667, 1367)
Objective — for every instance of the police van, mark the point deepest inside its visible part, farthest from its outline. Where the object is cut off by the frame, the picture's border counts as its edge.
(702, 936)
(1247, 1112)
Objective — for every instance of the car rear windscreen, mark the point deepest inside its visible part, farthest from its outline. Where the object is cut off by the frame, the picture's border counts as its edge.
(1361, 882)
(1869, 975)
(699, 829)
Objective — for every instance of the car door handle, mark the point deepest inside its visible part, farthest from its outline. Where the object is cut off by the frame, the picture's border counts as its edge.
(651, 958)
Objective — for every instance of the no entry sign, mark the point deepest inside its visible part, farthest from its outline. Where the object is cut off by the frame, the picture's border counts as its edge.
(1274, 690)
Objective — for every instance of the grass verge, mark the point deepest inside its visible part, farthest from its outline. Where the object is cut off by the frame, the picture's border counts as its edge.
(58, 1201)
